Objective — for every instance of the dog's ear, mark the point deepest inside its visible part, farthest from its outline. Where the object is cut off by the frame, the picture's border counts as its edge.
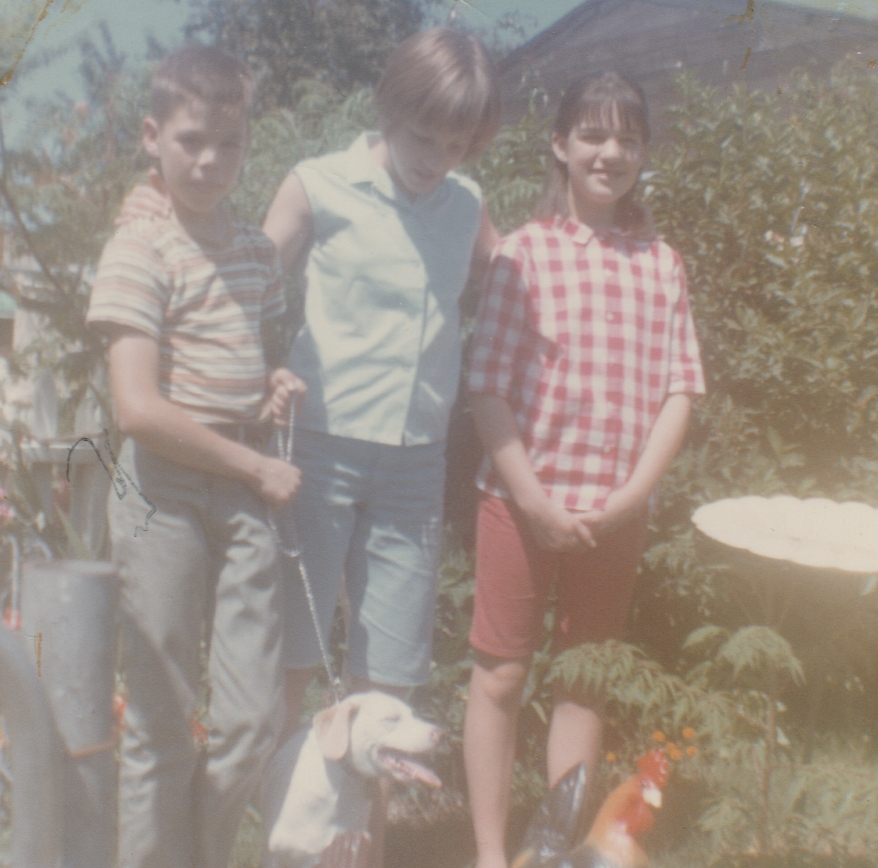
(333, 728)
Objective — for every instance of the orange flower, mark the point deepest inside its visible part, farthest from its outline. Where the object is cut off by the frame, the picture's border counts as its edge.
(659, 737)
(674, 752)
(119, 703)
(611, 757)
(7, 510)
(691, 750)
(199, 730)
(688, 732)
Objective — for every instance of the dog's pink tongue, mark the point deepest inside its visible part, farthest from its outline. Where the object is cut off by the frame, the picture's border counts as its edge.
(423, 774)
(403, 767)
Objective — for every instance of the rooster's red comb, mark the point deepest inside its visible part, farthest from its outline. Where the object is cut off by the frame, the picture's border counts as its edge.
(654, 765)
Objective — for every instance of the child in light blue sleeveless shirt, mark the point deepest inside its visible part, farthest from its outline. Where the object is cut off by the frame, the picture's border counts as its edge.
(390, 233)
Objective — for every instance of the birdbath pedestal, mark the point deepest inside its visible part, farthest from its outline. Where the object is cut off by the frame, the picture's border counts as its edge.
(807, 558)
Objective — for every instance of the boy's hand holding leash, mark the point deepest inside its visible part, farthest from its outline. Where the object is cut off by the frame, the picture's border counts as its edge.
(278, 481)
(278, 478)
(283, 388)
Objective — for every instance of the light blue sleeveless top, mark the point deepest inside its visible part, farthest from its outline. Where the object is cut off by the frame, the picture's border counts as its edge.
(380, 348)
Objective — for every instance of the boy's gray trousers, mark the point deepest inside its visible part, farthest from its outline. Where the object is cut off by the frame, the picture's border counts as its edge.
(203, 565)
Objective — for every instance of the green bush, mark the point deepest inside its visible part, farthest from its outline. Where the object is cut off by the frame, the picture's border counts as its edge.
(772, 199)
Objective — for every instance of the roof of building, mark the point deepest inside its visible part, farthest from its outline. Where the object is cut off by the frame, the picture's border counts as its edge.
(761, 44)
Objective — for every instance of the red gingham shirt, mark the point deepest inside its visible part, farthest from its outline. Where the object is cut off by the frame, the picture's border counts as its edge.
(584, 335)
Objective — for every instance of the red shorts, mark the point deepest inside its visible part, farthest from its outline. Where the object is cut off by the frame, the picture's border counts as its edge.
(595, 587)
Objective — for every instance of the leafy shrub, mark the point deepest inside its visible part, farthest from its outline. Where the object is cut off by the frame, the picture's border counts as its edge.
(771, 200)
(748, 801)
(783, 261)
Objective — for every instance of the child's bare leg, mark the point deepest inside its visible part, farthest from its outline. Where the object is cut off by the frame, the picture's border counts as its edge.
(574, 737)
(489, 735)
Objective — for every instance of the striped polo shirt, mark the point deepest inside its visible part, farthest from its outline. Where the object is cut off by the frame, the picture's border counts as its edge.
(204, 307)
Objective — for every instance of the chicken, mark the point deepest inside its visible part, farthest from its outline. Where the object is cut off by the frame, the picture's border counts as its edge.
(612, 840)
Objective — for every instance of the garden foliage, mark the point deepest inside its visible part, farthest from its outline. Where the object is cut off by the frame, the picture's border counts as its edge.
(59, 191)
(342, 43)
(771, 200)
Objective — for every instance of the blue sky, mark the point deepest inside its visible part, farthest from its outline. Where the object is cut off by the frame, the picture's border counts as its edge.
(132, 21)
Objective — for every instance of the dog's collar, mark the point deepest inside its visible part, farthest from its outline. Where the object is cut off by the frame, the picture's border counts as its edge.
(370, 785)
(347, 764)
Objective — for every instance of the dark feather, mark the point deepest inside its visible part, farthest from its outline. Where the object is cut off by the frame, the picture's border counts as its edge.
(556, 824)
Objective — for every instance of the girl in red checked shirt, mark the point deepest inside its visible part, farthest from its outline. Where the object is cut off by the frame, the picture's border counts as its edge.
(583, 367)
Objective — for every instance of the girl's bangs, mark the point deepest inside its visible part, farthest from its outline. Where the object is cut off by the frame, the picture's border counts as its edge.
(626, 116)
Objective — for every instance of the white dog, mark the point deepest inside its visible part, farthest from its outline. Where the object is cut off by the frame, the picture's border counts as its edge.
(319, 781)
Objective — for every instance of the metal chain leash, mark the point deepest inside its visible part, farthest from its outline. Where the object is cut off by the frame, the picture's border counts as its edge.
(293, 551)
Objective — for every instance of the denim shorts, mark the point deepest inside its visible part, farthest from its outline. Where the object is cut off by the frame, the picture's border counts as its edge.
(371, 514)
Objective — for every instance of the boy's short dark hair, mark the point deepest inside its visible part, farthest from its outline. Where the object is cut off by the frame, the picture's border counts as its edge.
(204, 72)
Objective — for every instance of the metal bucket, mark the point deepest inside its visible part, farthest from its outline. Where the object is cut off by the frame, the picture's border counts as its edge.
(37, 758)
(69, 625)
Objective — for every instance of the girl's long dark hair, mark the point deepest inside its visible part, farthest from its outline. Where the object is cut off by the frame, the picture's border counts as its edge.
(607, 98)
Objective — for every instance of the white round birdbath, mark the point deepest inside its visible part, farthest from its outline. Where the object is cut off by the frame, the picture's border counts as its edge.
(814, 532)
(799, 547)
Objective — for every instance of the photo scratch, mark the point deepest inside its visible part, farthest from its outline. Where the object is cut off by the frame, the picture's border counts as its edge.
(469, 5)
(27, 36)
(38, 651)
(117, 479)
(747, 16)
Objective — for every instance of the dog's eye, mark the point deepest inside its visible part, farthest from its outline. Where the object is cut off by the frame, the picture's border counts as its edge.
(395, 718)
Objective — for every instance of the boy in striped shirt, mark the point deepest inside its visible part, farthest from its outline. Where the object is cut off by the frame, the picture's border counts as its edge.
(184, 300)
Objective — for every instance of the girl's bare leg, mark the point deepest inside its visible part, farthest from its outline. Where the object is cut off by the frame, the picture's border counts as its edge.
(574, 737)
(489, 735)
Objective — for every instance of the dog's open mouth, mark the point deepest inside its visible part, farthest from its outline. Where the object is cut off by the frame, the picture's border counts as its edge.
(403, 767)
